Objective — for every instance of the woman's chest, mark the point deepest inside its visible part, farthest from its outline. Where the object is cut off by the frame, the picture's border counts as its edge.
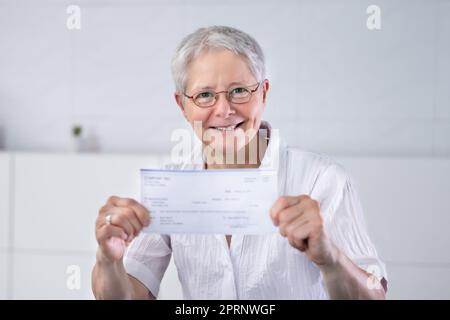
(251, 259)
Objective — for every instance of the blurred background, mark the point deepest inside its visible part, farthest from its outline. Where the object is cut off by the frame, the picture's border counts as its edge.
(84, 106)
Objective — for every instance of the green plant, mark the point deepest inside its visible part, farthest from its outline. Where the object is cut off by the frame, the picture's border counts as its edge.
(77, 130)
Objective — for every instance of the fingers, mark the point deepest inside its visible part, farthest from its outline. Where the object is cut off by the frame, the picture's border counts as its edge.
(298, 234)
(125, 213)
(281, 210)
(299, 239)
(120, 217)
(298, 218)
(301, 211)
(287, 227)
(289, 214)
(127, 216)
(109, 231)
(281, 204)
(141, 212)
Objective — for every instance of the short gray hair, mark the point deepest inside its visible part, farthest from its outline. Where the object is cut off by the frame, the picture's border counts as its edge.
(217, 37)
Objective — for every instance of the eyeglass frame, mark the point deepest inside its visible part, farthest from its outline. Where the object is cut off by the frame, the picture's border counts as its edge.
(216, 94)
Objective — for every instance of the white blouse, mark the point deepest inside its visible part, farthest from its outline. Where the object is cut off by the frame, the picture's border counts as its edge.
(262, 266)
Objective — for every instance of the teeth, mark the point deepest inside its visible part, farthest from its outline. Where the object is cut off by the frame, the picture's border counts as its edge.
(226, 128)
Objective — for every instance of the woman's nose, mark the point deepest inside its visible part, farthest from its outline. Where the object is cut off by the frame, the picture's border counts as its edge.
(222, 107)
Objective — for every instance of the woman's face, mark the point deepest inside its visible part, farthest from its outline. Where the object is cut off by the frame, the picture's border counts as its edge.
(223, 70)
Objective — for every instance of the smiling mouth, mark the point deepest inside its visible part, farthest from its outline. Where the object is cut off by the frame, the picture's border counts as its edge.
(229, 128)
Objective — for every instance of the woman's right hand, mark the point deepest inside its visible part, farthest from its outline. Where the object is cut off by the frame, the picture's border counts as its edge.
(128, 217)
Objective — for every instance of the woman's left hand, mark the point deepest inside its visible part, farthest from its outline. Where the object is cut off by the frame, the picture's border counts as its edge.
(299, 219)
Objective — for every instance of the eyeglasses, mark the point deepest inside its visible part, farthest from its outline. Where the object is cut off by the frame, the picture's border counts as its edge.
(238, 95)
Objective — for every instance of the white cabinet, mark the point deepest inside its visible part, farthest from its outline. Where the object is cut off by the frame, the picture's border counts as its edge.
(52, 275)
(4, 274)
(5, 163)
(56, 202)
(57, 197)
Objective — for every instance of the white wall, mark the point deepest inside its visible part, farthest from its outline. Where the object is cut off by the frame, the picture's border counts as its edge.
(336, 86)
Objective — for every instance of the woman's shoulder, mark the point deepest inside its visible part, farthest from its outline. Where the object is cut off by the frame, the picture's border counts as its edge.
(314, 162)
(318, 175)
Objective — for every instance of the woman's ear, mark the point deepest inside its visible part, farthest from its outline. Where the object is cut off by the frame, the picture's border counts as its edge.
(179, 100)
(265, 86)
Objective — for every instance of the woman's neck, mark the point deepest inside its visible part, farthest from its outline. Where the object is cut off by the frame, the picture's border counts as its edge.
(260, 152)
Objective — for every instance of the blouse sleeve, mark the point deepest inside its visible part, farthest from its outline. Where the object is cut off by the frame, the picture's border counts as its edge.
(147, 258)
(345, 223)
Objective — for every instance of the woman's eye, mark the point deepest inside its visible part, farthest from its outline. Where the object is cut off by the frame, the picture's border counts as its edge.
(204, 95)
(238, 90)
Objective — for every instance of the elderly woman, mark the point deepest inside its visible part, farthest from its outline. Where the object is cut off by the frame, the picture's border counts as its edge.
(322, 249)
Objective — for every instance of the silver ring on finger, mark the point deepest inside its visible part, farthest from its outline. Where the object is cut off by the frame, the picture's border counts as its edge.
(108, 219)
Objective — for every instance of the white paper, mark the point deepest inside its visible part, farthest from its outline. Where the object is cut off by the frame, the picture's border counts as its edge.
(235, 201)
